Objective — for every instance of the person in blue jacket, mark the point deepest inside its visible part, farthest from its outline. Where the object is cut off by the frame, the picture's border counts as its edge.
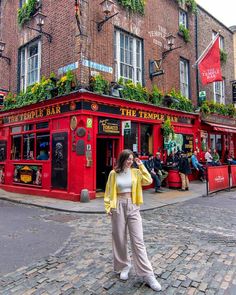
(199, 167)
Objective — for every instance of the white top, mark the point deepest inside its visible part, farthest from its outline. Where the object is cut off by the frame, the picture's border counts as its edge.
(124, 182)
(208, 157)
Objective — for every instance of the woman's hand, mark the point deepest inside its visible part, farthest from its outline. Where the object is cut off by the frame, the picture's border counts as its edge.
(109, 213)
(138, 161)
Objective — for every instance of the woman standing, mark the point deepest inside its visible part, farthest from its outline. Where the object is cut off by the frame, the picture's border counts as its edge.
(123, 196)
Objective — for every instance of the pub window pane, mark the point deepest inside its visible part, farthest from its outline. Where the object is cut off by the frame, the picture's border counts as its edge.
(131, 139)
(16, 147)
(42, 146)
(146, 139)
(42, 125)
(28, 127)
(16, 129)
(28, 146)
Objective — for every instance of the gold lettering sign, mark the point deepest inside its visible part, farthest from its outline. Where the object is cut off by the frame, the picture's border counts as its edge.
(146, 115)
(35, 114)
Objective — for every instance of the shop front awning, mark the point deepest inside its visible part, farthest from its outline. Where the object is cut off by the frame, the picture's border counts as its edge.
(222, 128)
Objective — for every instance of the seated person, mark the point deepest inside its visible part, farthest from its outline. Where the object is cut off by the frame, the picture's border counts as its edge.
(173, 159)
(209, 158)
(198, 166)
(158, 167)
(149, 164)
(216, 158)
(231, 159)
(43, 155)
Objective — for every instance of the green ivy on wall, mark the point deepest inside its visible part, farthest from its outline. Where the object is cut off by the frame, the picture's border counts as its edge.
(26, 12)
(185, 33)
(136, 6)
(223, 56)
(190, 4)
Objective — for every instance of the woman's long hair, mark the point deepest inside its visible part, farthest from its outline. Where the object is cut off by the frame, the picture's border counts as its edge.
(123, 156)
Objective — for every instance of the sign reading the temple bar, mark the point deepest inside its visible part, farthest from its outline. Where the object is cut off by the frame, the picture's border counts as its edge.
(108, 126)
(59, 160)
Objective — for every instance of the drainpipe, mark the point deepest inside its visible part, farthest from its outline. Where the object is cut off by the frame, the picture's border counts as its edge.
(196, 52)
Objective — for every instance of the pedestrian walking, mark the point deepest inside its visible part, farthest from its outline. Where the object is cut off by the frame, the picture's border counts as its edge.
(123, 196)
(150, 165)
(184, 171)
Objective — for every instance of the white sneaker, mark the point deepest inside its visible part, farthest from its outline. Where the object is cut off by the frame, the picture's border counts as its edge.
(152, 283)
(124, 274)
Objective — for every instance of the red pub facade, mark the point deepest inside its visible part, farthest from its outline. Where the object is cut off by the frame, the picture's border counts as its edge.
(81, 135)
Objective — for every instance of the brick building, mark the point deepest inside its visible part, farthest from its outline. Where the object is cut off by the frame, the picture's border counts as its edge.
(147, 34)
(206, 28)
(75, 130)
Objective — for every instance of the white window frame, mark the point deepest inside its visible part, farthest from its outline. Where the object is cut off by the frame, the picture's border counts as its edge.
(128, 57)
(183, 18)
(184, 77)
(27, 65)
(219, 91)
(221, 40)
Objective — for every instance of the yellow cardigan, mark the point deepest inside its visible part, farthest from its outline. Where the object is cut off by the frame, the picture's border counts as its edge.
(139, 177)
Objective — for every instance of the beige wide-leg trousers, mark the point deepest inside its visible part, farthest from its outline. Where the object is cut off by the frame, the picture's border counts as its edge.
(127, 217)
(184, 180)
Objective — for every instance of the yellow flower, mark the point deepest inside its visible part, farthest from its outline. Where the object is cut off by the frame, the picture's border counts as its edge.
(63, 79)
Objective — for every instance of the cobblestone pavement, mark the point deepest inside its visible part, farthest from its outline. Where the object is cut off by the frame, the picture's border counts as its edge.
(192, 246)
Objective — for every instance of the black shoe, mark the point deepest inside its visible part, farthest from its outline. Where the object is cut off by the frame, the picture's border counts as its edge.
(187, 189)
(182, 190)
(158, 191)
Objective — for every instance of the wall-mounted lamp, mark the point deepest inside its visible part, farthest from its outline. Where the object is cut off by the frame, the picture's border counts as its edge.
(107, 6)
(40, 18)
(170, 42)
(2, 48)
(155, 66)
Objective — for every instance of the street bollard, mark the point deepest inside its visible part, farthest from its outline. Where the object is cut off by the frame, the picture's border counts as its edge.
(84, 196)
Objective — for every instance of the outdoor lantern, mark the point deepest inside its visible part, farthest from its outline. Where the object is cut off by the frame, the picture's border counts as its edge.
(2, 47)
(40, 18)
(170, 41)
(107, 6)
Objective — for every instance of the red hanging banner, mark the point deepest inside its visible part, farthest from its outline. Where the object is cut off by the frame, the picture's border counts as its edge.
(218, 178)
(209, 66)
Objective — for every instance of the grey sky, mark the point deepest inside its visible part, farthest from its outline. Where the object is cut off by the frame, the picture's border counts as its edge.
(224, 11)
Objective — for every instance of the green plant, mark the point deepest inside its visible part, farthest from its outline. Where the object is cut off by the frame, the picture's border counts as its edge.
(156, 96)
(99, 84)
(40, 91)
(223, 56)
(136, 6)
(134, 92)
(211, 107)
(180, 102)
(167, 128)
(66, 84)
(26, 12)
(185, 33)
(191, 5)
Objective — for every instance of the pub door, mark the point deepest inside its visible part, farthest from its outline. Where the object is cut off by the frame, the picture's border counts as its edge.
(107, 151)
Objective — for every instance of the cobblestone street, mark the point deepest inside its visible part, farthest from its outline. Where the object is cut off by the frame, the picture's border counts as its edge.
(192, 246)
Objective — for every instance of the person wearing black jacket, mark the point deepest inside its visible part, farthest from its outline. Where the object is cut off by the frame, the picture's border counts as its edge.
(149, 164)
(184, 171)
